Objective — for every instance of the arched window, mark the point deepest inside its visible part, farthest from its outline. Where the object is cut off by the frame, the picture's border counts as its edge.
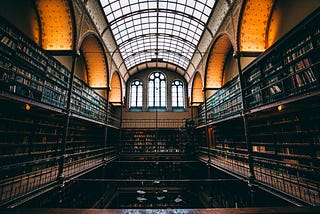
(157, 90)
(177, 94)
(136, 95)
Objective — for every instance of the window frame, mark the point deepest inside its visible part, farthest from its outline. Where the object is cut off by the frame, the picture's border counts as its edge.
(162, 94)
(136, 107)
(178, 95)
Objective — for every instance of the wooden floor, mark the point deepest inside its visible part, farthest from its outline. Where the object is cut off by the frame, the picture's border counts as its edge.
(265, 210)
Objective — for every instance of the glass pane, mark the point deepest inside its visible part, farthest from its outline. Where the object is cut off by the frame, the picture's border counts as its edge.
(140, 96)
(178, 20)
(174, 96)
(133, 96)
(157, 96)
(151, 93)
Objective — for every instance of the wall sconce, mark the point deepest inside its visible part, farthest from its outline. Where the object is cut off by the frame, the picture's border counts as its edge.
(27, 107)
(280, 107)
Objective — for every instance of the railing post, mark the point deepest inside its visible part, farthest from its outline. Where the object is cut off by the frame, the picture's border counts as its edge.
(67, 121)
(206, 123)
(246, 131)
(106, 128)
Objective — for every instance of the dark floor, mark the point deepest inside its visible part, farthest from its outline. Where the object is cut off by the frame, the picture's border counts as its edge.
(265, 210)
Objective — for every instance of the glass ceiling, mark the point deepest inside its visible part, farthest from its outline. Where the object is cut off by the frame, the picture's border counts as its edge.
(157, 30)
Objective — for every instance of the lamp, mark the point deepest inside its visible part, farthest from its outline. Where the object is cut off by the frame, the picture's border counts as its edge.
(178, 199)
(141, 199)
(281, 107)
(27, 107)
(141, 192)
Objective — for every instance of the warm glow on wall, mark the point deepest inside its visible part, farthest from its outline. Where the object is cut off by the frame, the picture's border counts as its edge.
(95, 60)
(274, 27)
(254, 23)
(35, 27)
(197, 93)
(115, 93)
(56, 24)
(216, 62)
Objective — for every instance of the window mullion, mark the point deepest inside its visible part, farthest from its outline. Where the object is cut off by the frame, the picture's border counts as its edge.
(136, 95)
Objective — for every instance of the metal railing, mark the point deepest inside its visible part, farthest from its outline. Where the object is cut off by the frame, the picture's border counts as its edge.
(275, 175)
(153, 123)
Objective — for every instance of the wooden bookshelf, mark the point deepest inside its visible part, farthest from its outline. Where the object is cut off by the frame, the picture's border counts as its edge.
(33, 153)
(224, 103)
(289, 137)
(149, 170)
(275, 148)
(30, 149)
(26, 70)
(87, 102)
(149, 142)
(287, 69)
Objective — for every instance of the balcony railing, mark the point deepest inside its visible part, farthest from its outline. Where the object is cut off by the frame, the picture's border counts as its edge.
(153, 123)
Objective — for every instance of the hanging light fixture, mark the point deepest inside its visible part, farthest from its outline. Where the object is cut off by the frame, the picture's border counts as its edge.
(141, 199)
(161, 197)
(178, 199)
(141, 192)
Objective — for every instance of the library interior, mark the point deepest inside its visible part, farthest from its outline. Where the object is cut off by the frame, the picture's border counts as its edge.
(159, 106)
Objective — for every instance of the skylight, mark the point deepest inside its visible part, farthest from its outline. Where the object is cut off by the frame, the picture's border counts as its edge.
(157, 30)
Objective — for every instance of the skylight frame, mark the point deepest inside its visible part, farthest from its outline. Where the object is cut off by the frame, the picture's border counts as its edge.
(161, 30)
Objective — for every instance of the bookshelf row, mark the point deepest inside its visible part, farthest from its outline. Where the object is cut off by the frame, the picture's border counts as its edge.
(284, 146)
(150, 142)
(276, 149)
(293, 137)
(224, 103)
(31, 149)
(87, 102)
(288, 69)
(29, 72)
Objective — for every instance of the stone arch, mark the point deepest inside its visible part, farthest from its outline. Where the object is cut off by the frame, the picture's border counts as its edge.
(197, 90)
(253, 25)
(96, 64)
(115, 95)
(216, 62)
(57, 28)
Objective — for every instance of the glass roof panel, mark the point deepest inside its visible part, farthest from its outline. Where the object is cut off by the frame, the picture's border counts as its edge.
(157, 30)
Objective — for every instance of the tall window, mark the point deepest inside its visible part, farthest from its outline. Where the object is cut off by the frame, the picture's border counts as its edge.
(157, 90)
(177, 94)
(136, 95)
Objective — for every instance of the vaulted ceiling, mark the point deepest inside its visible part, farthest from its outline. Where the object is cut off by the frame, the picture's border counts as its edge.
(157, 30)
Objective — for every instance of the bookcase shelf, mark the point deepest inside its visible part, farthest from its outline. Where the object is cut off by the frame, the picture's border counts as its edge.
(276, 148)
(27, 71)
(32, 155)
(31, 148)
(30, 144)
(224, 103)
(144, 142)
(87, 102)
(288, 68)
